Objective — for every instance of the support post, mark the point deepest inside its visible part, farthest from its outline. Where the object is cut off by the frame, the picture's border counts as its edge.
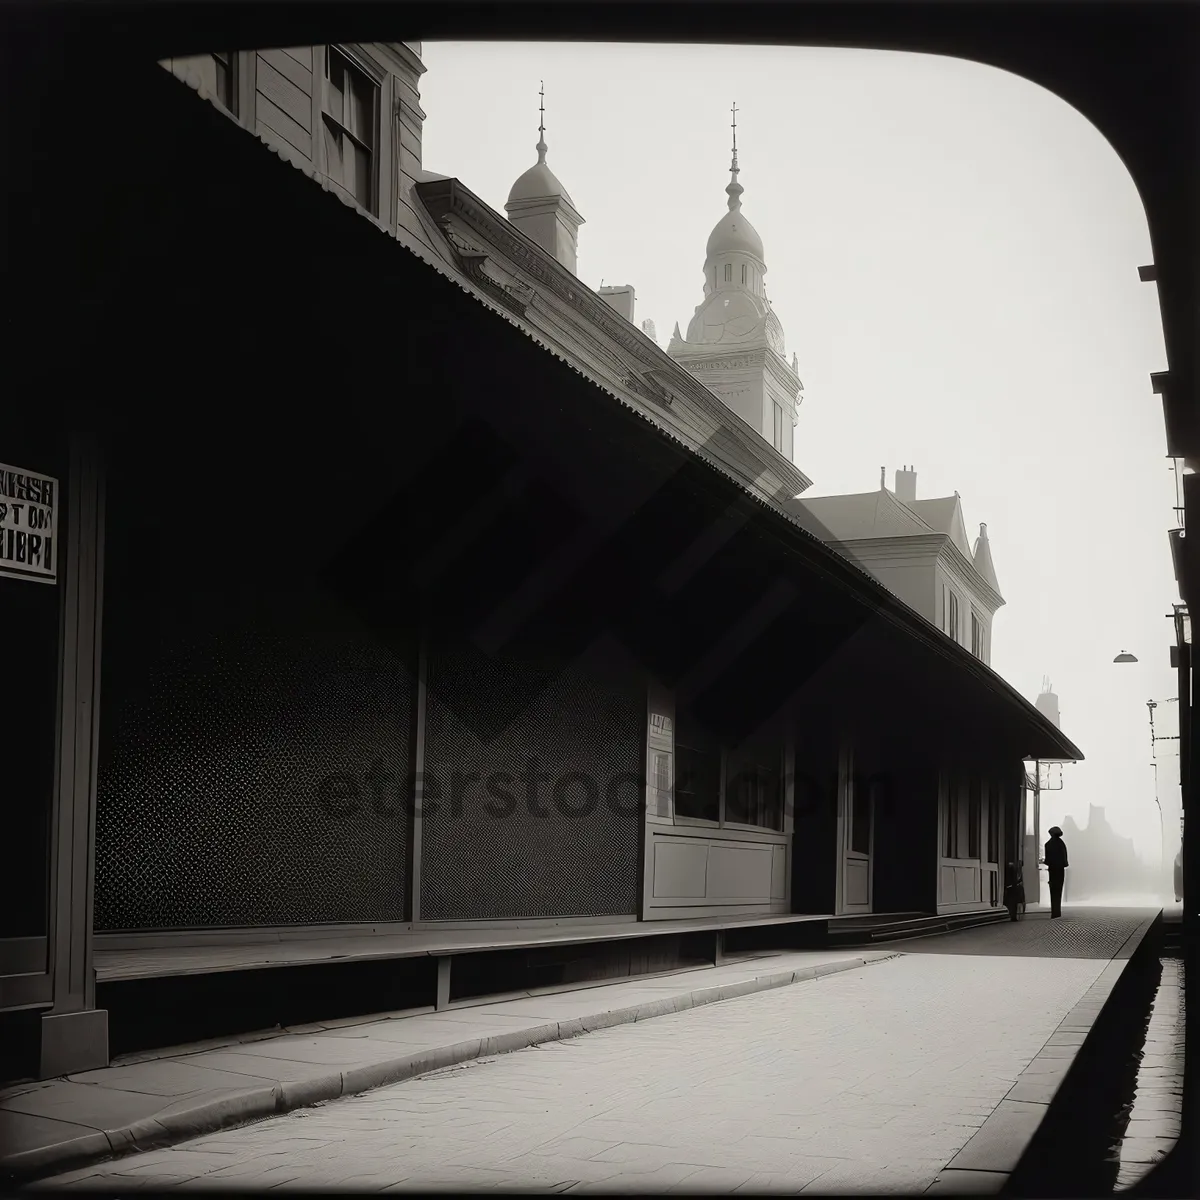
(416, 794)
(74, 1033)
(443, 983)
(719, 958)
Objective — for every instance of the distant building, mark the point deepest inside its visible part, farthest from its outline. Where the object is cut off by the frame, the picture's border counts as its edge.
(919, 551)
(1104, 865)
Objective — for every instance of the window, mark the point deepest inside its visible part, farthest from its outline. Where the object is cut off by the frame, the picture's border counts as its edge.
(754, 787)
(743, 272)
(862, 801)
(728, 272)
(952, 628)
(697, 772)
(215, 72)
(744, 786)
(350, 124)
(976, 636)
(993, 836)
(950, 831)
(225, 88)
(974, 817)
(662, 784)
(777, 430)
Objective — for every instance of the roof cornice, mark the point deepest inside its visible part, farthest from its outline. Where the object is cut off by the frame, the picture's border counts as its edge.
(967, 568)
(443, 197)
(905, 545)
(941, 544)
(407, 55)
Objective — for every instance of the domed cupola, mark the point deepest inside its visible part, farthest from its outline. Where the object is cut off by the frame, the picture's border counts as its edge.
(734, 342)
(539, 206)
(733, 234)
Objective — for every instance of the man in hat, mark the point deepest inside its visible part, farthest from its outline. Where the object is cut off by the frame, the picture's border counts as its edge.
(1056, 860)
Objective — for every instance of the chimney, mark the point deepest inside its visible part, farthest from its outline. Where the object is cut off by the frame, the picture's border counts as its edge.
(620, 299)
(1047, 705)
(649, 330)
(906, 485)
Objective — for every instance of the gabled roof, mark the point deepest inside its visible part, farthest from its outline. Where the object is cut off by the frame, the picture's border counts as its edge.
(944, 514)
(861, 515)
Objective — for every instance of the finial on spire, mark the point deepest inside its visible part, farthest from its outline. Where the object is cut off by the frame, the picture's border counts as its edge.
(541, 146)
(735, 189)
(882, 478)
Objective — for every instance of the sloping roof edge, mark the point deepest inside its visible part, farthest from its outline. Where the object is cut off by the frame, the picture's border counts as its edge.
(837, 569)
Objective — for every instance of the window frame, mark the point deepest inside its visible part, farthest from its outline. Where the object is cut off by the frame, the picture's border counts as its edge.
(953, 615)
(376, 75)
(950, 832)
(994, 825)
(778, 428)
(230, 65)
(978, 642)
(722, 820)
(974, 816)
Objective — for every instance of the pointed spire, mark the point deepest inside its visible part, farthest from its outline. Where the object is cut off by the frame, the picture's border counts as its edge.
(677, 335)
(735, 189)
(983, 558)
(541, 146)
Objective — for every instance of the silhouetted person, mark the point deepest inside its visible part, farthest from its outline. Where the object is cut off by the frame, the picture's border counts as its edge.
(1056, 860)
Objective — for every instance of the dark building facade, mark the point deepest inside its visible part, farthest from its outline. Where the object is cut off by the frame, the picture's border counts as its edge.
(454, 648)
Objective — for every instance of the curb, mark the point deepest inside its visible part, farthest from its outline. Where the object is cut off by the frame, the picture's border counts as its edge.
(254, 1104)
(1009, 1140)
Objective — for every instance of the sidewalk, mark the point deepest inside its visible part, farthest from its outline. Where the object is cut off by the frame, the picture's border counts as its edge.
(187, 1091)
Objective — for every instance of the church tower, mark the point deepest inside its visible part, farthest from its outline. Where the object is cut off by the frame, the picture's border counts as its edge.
(540, 208)
(734, 343)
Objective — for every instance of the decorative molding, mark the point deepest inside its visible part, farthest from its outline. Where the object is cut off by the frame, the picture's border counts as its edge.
(921, 545)
(744, 363)
(646, 386)
(408, 56)
(474, 262)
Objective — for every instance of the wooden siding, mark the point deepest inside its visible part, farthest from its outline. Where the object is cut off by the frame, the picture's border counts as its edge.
(284, 97)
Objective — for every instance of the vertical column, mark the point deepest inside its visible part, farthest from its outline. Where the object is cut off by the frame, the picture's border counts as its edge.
(417, 789)
(74, 1033)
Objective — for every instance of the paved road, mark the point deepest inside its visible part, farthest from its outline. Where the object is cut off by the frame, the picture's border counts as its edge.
(867, 1080)
(1081, 932)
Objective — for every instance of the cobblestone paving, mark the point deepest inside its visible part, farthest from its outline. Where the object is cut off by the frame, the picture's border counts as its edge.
(867, 1080)
(1079, 933)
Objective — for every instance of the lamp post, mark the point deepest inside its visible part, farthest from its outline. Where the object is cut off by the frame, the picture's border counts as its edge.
(1151, 705)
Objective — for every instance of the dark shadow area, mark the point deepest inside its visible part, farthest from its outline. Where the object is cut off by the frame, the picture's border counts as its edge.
(149, 1014)
(1072, 1154)
(499, 972)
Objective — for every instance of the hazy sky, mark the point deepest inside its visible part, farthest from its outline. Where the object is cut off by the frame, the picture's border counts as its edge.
(953, 253)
